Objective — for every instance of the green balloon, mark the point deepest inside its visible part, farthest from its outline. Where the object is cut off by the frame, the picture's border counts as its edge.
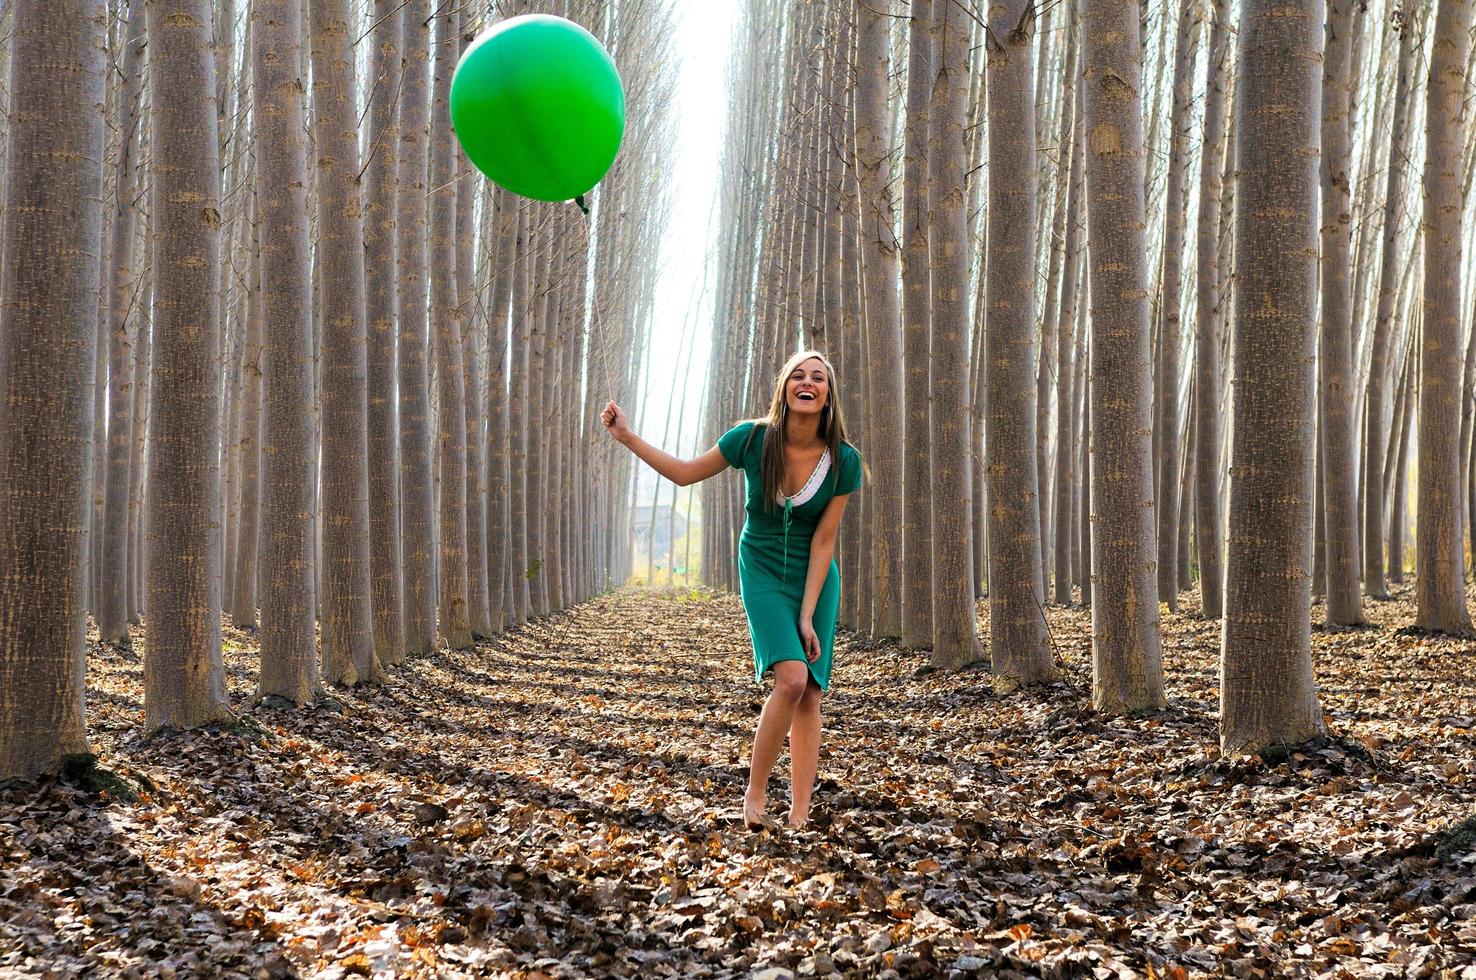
(537, 104)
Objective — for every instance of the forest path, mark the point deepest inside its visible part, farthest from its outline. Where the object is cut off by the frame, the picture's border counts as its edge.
(560, 800)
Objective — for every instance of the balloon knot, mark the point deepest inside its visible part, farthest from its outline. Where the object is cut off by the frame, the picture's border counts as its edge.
(582, 206)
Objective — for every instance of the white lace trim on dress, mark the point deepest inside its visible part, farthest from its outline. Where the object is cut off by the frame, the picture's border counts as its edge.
(812, 485)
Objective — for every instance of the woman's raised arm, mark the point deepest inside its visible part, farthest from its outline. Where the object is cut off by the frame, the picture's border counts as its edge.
(682, 472)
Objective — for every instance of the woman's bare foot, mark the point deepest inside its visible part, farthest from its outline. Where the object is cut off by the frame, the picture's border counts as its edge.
(753, 813)
(797, 821)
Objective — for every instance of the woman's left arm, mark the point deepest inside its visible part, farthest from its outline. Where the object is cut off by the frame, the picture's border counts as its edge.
(822, 550)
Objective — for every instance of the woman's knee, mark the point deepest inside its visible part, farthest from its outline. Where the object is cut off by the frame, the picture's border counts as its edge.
(791, 678)
(810, 700)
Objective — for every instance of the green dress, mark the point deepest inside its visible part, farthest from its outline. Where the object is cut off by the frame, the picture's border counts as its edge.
(774, 553)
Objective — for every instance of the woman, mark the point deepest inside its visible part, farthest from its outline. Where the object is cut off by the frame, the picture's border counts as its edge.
(799, 470)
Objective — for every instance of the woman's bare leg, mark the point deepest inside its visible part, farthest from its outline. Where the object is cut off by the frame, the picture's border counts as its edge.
(804, 754)
(790, 679)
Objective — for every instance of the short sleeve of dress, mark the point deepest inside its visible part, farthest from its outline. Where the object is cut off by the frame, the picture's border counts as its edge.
(733, 443)
(849, 478)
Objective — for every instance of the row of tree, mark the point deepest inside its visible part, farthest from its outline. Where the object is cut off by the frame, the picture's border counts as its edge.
(1189, 334)
(270, 346)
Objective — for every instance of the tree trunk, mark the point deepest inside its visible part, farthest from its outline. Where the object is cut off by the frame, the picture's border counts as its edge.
(1017, 626)
(49, 286)
(184, 674)
(289, 662)
(879, 261)
(1440, 586)
(1208, 435)
(1406, 405)
(917, 517)
(138, 468)
(111, 602)
(1267, 693)
(955, 642)
(1170, 314)
(502, 208)
(1186, 497)
(243, 601)
(417, 500)
(1071, 272)
(1127, 662)
(517, 418)
(381, 174)
(1335, 363)
(348, 625)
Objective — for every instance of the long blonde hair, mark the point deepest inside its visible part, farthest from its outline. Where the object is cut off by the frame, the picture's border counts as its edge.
(832, 425)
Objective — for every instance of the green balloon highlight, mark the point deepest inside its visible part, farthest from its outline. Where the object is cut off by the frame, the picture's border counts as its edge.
(538, 107)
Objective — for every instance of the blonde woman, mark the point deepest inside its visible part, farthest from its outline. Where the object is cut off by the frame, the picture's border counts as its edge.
(800, 470)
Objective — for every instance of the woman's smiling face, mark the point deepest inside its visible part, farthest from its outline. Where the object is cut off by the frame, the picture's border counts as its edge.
(808, 387)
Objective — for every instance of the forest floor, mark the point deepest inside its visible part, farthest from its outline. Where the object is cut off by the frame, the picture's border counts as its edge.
(560, 802)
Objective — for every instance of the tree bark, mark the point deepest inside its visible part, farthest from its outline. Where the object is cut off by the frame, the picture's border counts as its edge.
(111, 605)
(1267, 693)
(243, 601)
(1066, 476)
(1335, 363)
(879, 266)
(1127, 662)
(502, 209)
(347, 612)
(1170, 318)
(1017, 626)
(381, 174)
(289, 662)
(917, 516)
(184, 673)
(1208, 435)
(955, 642)
(417, 499)
(49, 285)
(1440, 587)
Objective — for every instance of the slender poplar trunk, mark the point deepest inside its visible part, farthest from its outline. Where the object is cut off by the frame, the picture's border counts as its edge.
(289, 661)
(1440, 584)
(49, 285)
(184, 673)
(1267, 693)
(1127, 661)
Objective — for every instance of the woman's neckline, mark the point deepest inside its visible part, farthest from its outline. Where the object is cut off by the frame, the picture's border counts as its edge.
(819, 465)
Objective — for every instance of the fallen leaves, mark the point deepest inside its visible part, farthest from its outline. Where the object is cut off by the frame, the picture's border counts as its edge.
(559, 803)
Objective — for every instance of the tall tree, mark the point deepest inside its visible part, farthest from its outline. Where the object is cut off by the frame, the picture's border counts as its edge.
(417, 502)
(248, 537)
(49, 281)
(1017, 628)
(380, 175)
(955, 642)
(347, 621)
(879, 262)
(470, 309)
(1127, 660)
(1440, 592)
(917, 519)
(111, 606)
(1382, 420)
(450, 367)
(184, 674)
(1207, 316)
(501, 212)
(1335, 362)
(1267, 692)
(1066, 416)
(1170, 316)
(289, 661)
